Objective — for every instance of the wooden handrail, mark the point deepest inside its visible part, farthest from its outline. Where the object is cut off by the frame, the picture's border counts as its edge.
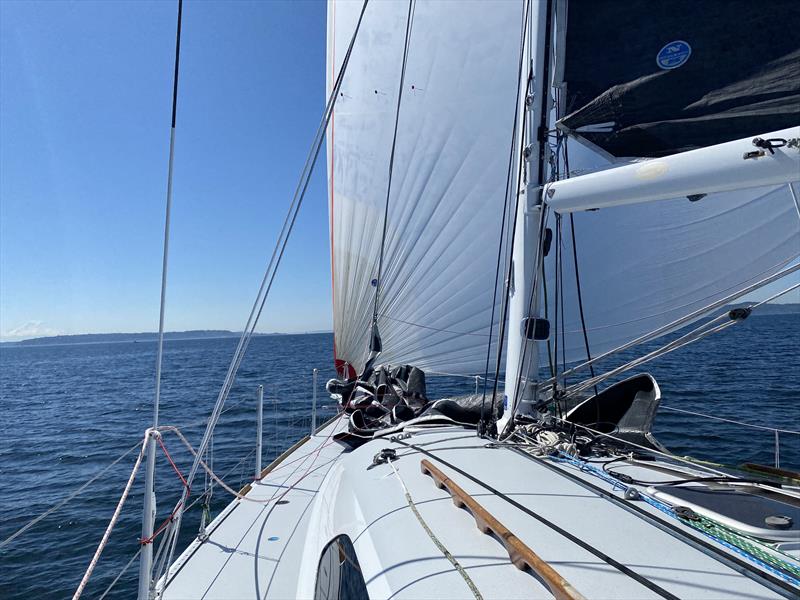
(522, 556)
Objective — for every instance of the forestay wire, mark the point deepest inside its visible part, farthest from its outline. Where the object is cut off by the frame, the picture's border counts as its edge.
(267, 280)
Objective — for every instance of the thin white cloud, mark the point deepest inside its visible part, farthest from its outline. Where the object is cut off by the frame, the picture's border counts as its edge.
(31, 329)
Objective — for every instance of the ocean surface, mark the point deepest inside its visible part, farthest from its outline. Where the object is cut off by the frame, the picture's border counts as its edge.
(68, 411)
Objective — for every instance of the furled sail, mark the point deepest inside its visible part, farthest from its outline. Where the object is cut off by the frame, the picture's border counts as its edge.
(454, 135)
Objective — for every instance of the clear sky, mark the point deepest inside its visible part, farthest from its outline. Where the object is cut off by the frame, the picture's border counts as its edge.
(84, 130)
(85, 109)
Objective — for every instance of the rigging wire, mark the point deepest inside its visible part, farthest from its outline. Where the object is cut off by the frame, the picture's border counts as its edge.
(580, 296)
(694, 335)
(378, 281)
(509, 279)
(148, 447)
(67, 498)
(682, 320)
(274, 263)
(114, 518)
(167, 213)
(510, 185)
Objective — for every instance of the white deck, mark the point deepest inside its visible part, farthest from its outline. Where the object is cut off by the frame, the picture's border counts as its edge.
(267, 550)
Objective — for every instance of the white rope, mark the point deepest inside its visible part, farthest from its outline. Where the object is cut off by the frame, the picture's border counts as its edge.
(61, 503)
(461, 571)
(674, 457)
(111, 523)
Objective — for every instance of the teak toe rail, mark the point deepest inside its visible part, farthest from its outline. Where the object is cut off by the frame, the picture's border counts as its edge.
(522, 556)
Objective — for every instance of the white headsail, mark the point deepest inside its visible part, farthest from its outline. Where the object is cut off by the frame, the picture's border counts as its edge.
(449, 177)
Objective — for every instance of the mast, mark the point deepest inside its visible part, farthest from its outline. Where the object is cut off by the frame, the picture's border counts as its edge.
(522, 356)
(148, 518)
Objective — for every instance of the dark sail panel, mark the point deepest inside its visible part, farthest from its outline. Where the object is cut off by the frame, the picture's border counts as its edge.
(651, 77)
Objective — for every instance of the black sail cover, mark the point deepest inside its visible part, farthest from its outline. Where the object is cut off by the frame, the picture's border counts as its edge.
(648, 78)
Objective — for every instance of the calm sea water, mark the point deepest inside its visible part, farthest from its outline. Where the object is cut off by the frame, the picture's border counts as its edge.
(68, 411)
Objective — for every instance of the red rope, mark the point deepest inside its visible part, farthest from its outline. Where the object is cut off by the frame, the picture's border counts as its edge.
(188, 489)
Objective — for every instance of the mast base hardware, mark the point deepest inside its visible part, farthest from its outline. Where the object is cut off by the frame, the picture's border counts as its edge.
(384, 456)
(520, 554)
(779, 522)
(753, 154)
(534, 328)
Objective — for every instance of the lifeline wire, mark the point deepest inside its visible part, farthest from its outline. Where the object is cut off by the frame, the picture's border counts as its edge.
(61, 503)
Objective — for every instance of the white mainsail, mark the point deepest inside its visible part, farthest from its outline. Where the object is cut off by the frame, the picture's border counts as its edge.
(645, 266)
(449, 177)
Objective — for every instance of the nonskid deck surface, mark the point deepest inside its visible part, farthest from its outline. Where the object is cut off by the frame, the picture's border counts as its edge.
(269, 546)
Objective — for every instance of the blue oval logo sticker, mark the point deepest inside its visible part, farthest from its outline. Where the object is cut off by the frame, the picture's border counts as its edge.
(674, 55)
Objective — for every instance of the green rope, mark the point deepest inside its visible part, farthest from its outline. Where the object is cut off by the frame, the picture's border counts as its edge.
(757, 548)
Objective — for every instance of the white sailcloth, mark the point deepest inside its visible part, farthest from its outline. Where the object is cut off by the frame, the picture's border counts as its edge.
(449, 177)
(644, 266)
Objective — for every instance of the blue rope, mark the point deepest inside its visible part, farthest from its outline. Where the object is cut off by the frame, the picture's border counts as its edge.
(583, 466)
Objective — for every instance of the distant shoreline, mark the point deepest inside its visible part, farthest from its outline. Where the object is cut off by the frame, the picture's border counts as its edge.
(144, 337)
(206, 334)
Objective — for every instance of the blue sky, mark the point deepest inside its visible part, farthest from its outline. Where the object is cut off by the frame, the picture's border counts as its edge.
(85, 128)
(84, 117)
